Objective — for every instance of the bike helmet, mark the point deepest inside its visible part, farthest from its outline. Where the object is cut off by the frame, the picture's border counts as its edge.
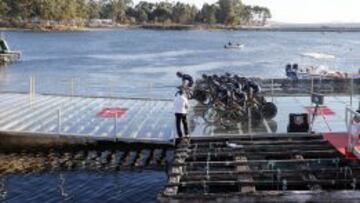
(179, 74)
(288, 67)
(295, 66)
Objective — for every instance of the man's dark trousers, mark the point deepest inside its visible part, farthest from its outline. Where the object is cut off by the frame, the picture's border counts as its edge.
(181, 118)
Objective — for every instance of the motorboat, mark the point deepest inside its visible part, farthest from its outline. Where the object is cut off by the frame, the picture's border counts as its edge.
(234, 46)
(6, 55)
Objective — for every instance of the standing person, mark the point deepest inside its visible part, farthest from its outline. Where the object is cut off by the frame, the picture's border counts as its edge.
(181, 105)
(355, 126)
(354, 132)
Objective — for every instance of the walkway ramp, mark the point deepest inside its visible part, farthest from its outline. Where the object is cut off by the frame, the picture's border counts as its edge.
(262, 168)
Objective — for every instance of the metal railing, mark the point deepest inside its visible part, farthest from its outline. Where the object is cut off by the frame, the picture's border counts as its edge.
(353, 131)
(116, 87)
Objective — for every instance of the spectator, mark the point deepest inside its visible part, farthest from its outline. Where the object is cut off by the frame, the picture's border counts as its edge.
(181, 105)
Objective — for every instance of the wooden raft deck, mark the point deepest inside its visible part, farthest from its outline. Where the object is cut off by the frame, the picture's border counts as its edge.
(261, 169)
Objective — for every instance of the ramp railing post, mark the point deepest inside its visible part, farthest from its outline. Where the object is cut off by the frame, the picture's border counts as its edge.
(30, 89)
(351, 91)
(115, 125)
(59, 120)
(348, 125)
(311, 88)
(272, 90)
(72, 87)
(32, 86)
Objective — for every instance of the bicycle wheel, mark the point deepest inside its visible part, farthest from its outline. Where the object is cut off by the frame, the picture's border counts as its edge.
(211, 115)
(229, 120)
(269, 110)
(255, 114)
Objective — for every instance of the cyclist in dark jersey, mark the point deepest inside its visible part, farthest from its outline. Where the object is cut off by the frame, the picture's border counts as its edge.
(186, 79)
(249, 84)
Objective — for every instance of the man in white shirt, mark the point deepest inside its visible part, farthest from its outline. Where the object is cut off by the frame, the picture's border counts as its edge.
(355, 126)
(181, 105)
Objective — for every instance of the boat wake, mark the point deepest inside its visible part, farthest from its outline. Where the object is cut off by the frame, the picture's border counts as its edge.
(144, 56)
(318, 55)
(190, 69)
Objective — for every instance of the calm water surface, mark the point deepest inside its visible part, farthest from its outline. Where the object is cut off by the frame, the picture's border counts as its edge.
(124, 187)
(143, 63)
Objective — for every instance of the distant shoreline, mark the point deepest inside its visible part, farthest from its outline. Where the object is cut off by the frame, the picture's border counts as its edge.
(204, 27)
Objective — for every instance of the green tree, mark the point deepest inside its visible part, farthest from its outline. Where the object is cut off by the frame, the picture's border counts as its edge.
(118, 10)
(3, 9)
(162, 12)
(181, 13)
(266, 15)
(246, 15)
(19, 9)
(229, 11)
(208, 13)
(144, 11)
(93, 9)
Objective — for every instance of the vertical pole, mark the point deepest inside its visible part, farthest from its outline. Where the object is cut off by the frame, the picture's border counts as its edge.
(30, 86)
(348, 115)
(272, 90)
(351, 91)
(59, 120)
(110, 88)
(34, 86)
(151, 87)
(250, 120)
(311, 88)
(115, 126)
(72, 87)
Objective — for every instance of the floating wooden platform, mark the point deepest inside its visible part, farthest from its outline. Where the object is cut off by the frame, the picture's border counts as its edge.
(145, 120)
(268, 168)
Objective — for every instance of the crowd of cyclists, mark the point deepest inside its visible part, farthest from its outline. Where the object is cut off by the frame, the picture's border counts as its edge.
(228, 98)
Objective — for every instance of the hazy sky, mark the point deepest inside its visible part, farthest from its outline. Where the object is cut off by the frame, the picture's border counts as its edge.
(302, 11)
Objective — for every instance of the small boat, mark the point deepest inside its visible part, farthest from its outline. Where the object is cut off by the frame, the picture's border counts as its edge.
(234, 46)
(295, 72)
(6, 55)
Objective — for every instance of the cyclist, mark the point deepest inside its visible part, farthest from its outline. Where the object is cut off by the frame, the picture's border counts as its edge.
(187, 80)
(251, 85)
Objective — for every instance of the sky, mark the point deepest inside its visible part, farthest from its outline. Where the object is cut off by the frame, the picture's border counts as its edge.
(302, 11)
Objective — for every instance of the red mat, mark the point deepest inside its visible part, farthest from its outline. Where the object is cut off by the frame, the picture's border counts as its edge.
(339, 141)
(112, 112)
(322, 110)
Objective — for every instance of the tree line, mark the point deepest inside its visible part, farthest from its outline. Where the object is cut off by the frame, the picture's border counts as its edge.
(227, 12)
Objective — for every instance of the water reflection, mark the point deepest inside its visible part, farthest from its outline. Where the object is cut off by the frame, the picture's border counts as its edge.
(64, 195)
(3, 192)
